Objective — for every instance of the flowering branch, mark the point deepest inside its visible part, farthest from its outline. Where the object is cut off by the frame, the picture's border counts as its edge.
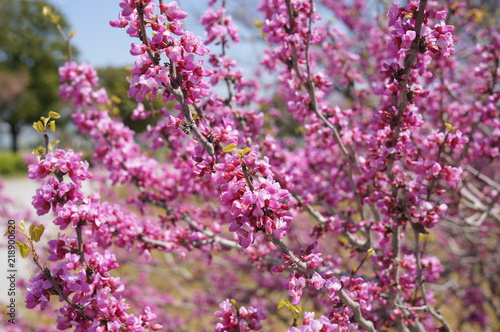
(392, 156)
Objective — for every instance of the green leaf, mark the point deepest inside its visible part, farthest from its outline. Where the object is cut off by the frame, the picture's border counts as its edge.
(55, 18)
(21, 225)
(46, 10)
(283, 303)
(258, 23)
(235, 304)
(38, 126)
(37, 233)
(244, 151)
(52, 125)
(425, 237)
(229, 147)
(24, 249)
(343, 239)
(54, 143)
(295, 309)
(72, 34)
(32, 227)
(115, 99)
(54, 115)
(39, 151)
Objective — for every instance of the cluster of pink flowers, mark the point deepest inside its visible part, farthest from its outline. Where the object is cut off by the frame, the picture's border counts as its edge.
(256, 200)
(435, 38)
(219, 26)
(312, 325)
(78, 83)
(169, 40)
(335, 187)
(60, 163)
(81, 278)
(238, 318)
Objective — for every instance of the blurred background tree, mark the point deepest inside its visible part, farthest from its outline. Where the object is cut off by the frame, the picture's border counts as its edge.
(31, 50)
(114, 80)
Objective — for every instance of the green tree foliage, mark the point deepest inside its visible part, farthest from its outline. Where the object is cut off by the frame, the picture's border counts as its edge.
(113, 79)
(30, 52)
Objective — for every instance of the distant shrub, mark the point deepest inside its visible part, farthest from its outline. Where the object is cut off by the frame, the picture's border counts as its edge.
(11, 163)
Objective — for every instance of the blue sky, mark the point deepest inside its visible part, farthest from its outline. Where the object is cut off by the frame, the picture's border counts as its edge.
(98, 43)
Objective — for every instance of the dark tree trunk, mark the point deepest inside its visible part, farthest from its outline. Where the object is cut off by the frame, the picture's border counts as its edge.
(14, 135)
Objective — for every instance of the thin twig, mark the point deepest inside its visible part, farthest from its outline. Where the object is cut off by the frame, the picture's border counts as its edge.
(310, 89)
(175, 91)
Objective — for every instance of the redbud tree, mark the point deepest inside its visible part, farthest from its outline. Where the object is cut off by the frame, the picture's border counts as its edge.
(380, 212)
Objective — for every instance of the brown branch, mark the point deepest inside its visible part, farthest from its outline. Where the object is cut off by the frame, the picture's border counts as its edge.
(80, 243)
(58, 289)
(175, 91)
(143, 34)
(67, 41)
(310, 89)
(190, 123)
(356, 309)
(408, 63)
(420, 283)
(344, 297)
